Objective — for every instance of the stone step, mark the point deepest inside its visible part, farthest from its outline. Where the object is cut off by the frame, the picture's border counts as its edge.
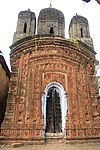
(55, 140)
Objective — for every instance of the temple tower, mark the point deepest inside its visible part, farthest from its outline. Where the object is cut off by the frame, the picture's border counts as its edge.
(26, 25)
(79, 29)
(51, 21)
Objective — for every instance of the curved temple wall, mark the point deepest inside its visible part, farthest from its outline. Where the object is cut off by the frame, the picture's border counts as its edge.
(35, 63)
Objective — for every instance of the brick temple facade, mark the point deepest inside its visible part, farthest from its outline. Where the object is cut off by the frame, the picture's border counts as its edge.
(53, 91)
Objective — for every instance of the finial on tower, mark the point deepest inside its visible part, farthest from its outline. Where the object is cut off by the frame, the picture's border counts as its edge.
(50, 3)
(28, 9)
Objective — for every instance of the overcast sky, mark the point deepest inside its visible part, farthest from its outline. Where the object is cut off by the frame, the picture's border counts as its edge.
(9, 10)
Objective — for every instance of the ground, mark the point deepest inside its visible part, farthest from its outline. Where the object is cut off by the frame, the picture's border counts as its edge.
(88, 146)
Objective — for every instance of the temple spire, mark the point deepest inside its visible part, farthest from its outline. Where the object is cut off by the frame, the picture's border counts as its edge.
(50, 3)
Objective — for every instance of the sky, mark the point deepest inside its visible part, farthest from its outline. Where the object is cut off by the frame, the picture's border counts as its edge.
(9, 10)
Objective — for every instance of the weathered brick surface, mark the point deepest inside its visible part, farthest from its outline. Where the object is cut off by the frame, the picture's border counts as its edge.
(37, 62)
(4, 84)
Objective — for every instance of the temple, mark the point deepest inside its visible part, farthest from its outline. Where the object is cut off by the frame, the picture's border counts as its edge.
(53, 93)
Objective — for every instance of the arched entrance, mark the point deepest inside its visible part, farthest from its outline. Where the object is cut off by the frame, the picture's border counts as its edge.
(54, 106)
(53, 111)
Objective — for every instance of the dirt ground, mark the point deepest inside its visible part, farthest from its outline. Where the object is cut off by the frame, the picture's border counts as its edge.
(89, 146)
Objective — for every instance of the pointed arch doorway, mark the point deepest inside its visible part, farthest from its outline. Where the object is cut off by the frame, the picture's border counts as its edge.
(54, 106)
(53, 111)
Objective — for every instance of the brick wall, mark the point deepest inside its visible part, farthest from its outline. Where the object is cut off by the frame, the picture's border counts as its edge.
(37, 62)
(4, 84)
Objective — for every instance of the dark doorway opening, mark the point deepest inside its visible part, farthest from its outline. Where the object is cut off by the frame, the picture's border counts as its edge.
(25, 28)
(53, 112)
(81, 32)
(51, 30)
